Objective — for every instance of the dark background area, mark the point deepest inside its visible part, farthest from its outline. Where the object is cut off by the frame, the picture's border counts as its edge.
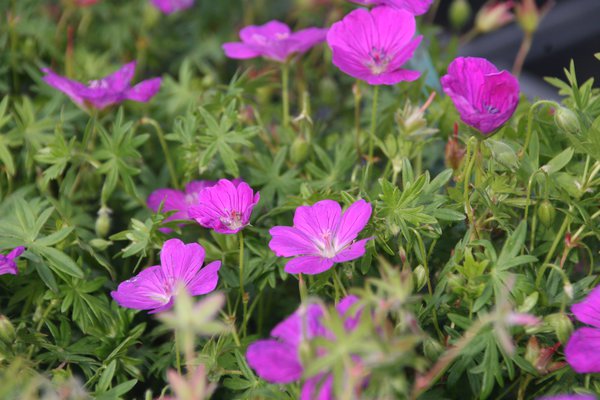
(570, 31)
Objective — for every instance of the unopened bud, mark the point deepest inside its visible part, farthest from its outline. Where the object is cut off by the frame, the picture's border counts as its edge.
(454, 152)
(103, 221)
(493, 16)
(299, 150)
(528, 16)
(7, 330)
(566, 120)
(546, 213)
(459, 13)
(561, 324)
(420, 277)
(432, 348)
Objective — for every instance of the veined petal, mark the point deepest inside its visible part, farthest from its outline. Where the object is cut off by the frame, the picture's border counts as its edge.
(309, 265)
(354, 220)
(240, 51)
(148, 290)
(320, 219)
(181, 261)
(352, 252)
(288, 241)
(144, 90)
(206, 279)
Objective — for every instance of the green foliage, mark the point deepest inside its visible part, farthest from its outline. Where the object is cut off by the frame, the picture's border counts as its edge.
(511, 228)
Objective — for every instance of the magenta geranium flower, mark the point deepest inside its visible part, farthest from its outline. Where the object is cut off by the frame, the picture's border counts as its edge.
(582, 348)
(225, 207)
(374, 45)
(321, 236)
(415, 7)
(171, 6)
(484, 97)
(278, 360)
(177, 200)
(99, 94)
(156, 287)
(274, 41)
(7, 262)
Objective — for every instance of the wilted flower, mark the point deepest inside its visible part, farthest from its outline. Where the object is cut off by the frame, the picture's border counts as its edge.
(155, 288)
(493, 15)
(581, 350)
(274, 41)
(177, 200)
(484, 97)
(278, 360)
(415, 7)
(321, 236)
(171, 6)
(112, 89)
(373, 45)
(225, 207)
(7, 262)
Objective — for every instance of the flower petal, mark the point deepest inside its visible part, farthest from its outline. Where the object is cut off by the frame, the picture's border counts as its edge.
(206, 279)
(352, 252)
(583, 351)
(588, 311)
(274, 361)
(354, 219)
(144, 90)
(319, 387)
(145, 291)
(288, 241)
(309, 265)
(180, 261)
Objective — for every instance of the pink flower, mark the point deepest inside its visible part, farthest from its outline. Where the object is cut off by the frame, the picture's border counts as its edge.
(484, 97)
(582, 348)
(373, 45)
(112, 89)
(415, 7)
(7, 262)
(225, 207)
(177, 200)
(321, 236)
(278, 360)
(155, 287)
(171, 6)
(274, 41)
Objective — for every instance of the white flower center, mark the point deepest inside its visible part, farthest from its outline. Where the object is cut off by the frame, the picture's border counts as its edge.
(233, 220)
(378, 62)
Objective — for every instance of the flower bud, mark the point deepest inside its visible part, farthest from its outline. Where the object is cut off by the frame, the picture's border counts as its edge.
(420, 277)
(493, 16)
(528, 16)
(432, 348)
(7, 330)
(103, 221)
(454, 152)
(546, 213)
(561, 324)
(299, 150)
(566, 120)
(459, 13)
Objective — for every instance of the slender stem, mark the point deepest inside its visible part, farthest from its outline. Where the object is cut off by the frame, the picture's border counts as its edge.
(165, 149)
(357, 101)
(177, 353)
(559, 237)
(530, 122)
(302, 288)
(522, 54)
(466, 188)
(242, 291)
(285, 77)
(373, 123)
